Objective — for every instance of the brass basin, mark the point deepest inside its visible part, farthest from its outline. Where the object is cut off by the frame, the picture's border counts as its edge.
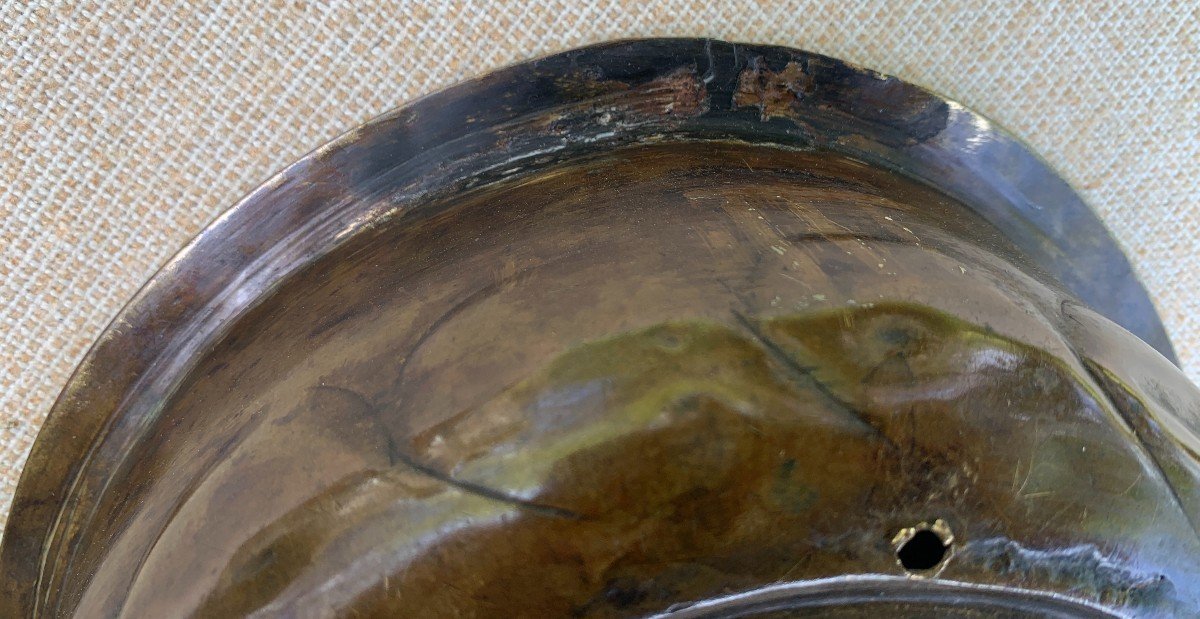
(672, 327)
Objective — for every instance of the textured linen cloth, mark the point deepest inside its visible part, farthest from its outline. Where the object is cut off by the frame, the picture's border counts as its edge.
(127, 126)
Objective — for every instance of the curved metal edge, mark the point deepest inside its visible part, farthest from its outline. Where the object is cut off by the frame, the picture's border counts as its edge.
(494, 126)
(865, 590)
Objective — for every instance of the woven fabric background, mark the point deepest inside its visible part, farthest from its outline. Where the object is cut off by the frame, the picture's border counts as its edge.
(126, 127)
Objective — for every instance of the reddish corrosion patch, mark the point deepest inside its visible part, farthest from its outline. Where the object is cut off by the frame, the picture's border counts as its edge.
(772, 92)
(680, 94)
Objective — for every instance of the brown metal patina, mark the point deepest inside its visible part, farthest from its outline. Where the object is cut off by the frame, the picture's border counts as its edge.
(656, 327)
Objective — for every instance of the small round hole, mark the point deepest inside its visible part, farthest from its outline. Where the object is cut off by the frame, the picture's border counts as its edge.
(923, 551)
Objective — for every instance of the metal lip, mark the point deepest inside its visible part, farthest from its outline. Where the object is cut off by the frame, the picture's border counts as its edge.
(870, 590)
(494, 126)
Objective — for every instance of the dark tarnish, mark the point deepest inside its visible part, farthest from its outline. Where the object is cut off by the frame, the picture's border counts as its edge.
(828, 100)
(675, 327)
(679, 95)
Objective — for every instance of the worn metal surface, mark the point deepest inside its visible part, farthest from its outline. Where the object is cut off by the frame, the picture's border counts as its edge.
(619, 331)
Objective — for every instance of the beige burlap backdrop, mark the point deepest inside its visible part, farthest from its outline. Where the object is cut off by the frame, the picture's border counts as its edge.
(127, 126)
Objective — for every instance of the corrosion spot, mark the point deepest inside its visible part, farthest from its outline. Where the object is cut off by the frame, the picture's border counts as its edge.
(772, 92)
(679, 94)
